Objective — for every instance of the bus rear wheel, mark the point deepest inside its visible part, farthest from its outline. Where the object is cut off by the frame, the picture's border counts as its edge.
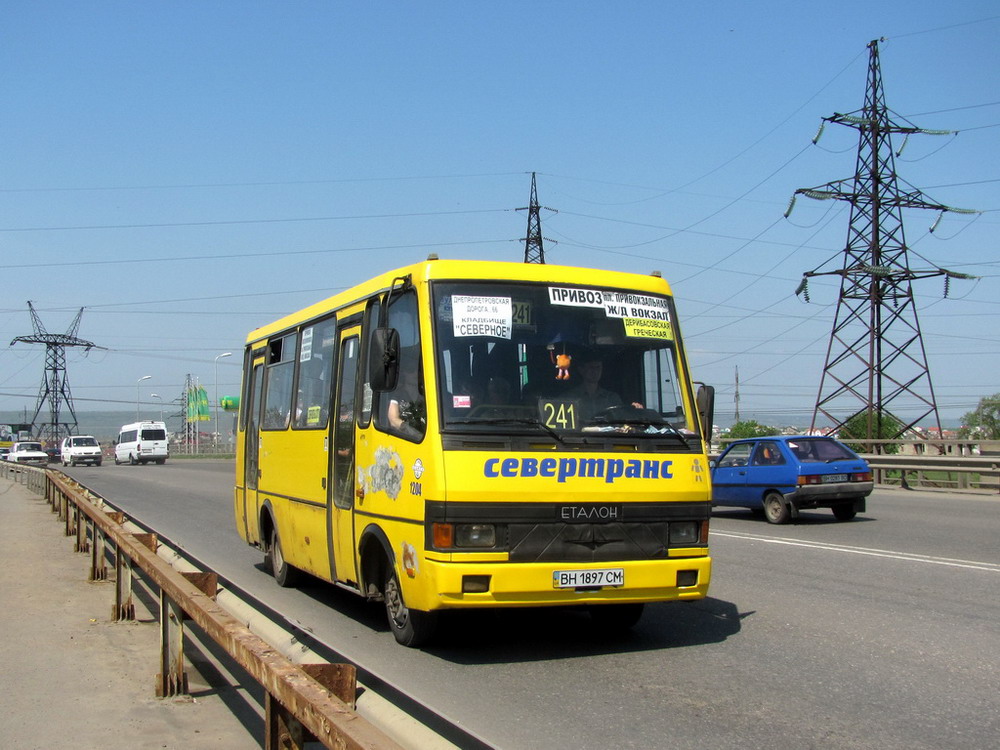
(409, 627)
(285, 575)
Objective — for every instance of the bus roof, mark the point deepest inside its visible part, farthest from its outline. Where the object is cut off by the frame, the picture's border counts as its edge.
(437, 269)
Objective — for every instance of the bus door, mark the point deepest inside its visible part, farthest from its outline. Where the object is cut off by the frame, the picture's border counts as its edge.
(251, 472)
(340, 503)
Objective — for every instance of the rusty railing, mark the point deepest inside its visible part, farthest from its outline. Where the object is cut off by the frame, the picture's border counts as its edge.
(303, 702)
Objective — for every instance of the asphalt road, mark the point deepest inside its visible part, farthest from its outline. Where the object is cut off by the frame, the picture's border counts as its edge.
(883, 632)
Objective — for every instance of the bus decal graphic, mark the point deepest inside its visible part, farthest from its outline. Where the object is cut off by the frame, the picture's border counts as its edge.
(410, 565)
(386, 474)
(608, 469)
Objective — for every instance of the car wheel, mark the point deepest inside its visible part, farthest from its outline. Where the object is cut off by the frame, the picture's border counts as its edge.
(844, 511)
(132, 459)
(409, 627)
(285, 575)
(616, 617)
(775, 508)
(97, 463)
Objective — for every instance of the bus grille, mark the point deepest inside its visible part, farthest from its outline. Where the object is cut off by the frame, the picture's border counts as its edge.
(587, 542)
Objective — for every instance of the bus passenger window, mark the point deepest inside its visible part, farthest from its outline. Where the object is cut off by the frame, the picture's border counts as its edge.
(312, 402)
(278, 395)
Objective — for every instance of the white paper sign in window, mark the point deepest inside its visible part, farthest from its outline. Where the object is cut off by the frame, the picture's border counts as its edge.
(482, 316)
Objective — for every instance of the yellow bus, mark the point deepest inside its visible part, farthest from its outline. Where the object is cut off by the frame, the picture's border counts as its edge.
(467, 434)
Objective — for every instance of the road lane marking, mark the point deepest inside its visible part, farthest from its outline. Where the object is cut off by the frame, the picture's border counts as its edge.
(908, 556)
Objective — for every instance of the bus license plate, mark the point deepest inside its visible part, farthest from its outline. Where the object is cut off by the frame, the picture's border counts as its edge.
(834, 478)
(572, 579)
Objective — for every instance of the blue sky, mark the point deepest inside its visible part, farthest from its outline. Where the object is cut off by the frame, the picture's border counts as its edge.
(187, 171)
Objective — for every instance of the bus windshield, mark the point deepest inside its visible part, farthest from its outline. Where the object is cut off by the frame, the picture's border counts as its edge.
(564, 359)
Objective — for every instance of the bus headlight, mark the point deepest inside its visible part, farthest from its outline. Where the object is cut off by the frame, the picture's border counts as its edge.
(684, 532)
(475, 535)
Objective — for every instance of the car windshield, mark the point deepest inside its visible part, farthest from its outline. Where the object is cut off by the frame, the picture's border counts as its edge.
(544, 358)
(29, 446)
(84, 441)
(819, 450)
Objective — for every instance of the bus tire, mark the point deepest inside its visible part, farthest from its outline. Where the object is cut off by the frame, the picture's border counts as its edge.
(616, 617)
(844, 511)
(775, 508)
(409, 627)
(284, 574)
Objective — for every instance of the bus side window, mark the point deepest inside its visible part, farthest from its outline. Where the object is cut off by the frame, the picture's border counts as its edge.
(278, 391)
(312, 402)
(403, 410)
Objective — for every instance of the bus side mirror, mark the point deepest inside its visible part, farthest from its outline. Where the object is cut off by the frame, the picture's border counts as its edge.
(383, 362)
(705, 401)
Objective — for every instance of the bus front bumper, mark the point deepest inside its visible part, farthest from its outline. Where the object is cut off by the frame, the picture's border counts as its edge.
(461, 585)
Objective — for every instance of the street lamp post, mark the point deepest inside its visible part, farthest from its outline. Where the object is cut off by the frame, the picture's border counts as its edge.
(215, 437)
(144, 377)
(159, 398)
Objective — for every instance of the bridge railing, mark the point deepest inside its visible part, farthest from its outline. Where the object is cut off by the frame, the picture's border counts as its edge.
(303, 702)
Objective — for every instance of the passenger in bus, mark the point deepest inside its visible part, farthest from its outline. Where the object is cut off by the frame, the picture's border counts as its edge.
(406, 413)
(593, 397)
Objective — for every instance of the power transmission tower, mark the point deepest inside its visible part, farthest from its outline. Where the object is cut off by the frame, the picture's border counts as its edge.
(534, 251)
(876, 362)
(55, 384)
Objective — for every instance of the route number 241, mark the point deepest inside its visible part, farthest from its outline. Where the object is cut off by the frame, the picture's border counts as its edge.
(559, 415)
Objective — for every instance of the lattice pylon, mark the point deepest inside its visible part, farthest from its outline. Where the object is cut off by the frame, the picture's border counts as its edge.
(876, 362)
(55, 384)
(534, 248)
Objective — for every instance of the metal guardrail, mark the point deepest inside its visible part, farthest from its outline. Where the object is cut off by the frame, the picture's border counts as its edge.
(952, 472)
(303, 702)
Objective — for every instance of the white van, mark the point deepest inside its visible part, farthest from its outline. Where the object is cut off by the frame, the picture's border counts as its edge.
(141, 443)
(80, 449)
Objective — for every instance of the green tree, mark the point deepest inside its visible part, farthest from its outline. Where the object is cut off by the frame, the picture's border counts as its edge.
(984, 422)
(749, 428)
(857, 427)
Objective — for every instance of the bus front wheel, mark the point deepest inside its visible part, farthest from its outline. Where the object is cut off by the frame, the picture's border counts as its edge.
(409, 627)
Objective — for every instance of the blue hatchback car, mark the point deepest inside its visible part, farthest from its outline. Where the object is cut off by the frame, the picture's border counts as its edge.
(781, 475)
